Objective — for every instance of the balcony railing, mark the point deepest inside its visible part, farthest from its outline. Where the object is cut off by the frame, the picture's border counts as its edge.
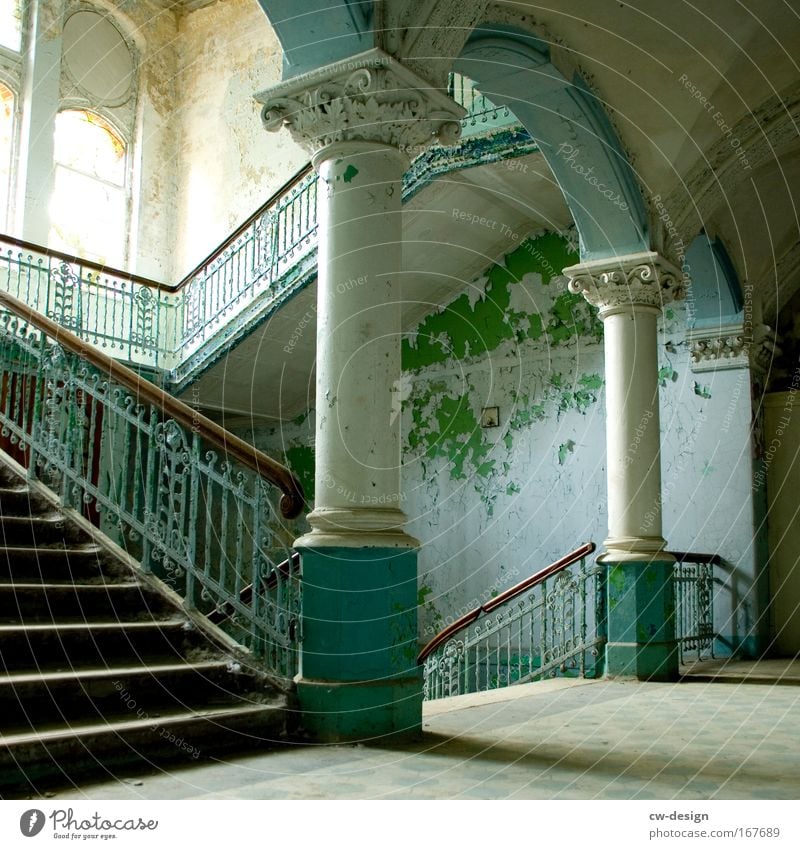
(177, 329)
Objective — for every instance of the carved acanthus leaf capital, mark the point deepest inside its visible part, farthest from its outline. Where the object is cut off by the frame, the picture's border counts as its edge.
(370, 97)
(641, 279)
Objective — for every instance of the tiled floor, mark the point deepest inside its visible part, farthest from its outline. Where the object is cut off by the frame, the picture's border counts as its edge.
(558, 739)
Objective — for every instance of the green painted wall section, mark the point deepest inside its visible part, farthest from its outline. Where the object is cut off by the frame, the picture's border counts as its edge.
(472, 328)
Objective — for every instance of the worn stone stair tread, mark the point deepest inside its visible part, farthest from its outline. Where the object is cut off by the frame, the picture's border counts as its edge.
(49, 585)
(94, 626)
(61, 547)
(94, 673)
(119, 726)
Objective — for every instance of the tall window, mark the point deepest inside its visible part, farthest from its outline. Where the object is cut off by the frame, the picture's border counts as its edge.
(11, 25)
(7, 107)
(89, 206)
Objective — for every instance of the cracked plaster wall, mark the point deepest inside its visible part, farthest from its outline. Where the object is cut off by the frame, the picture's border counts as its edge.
(493, 505)
(226, 164)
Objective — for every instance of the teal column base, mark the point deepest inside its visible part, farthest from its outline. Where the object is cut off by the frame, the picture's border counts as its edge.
(359, 679)
(641, 622)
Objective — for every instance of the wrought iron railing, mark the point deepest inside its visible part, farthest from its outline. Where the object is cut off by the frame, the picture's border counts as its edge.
(550, 624)
(190, 501)
(693, 578)
(177, 329)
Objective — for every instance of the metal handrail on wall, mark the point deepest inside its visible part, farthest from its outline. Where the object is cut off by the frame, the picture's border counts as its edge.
(192, 502)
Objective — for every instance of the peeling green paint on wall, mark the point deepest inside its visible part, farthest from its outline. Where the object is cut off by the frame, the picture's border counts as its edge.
(471, 328)
(300, 459)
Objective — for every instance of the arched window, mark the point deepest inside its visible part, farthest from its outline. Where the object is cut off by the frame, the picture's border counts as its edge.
(7, 111)
(89, 208)
(11, 25)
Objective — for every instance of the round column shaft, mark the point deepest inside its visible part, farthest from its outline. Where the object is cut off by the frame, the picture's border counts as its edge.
(632, 433)
(640, 604)
(358, 347)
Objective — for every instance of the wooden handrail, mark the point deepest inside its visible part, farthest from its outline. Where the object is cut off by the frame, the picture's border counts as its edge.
(512, 592)
(87, 263)
(292, 500)
(286, 567)
(287, 186)
(147, 281)
(695, 557)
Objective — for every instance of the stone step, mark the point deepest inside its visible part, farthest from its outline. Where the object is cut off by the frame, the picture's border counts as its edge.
(29, 700)
(47, 530)
(19, 501)
(33, 761)
(56, 565)
(55, 647)
(41, 603)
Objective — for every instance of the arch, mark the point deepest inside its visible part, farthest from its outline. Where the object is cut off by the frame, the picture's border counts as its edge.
(575, 135)
(322, 32)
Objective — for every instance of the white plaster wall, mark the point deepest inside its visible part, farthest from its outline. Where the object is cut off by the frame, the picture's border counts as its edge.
(480, 536)
(226, 164)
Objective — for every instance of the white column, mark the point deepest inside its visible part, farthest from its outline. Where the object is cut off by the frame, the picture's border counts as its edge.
(630, 292)
(354, 117)
(358, 344)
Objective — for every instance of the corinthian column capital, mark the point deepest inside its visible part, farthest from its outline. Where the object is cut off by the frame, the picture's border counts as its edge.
(618, 283)
(370, 97)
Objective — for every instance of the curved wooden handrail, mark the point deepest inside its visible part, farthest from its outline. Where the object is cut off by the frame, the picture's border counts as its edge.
(147, 281)
(512, 592)
(286, 187)
(87, 263)
(286, 567)
(695, 557)
(292, 500)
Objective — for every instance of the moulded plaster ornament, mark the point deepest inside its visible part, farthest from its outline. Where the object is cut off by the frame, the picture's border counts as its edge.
(370, 97)
(641, 279)
(731, 346)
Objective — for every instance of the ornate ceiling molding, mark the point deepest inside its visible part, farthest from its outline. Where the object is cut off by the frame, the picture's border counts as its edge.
(371, 97)
(641, 279)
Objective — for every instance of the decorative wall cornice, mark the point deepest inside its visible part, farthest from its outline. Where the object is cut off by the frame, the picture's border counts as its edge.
(640, 279)
(370, 97)
(730, 346)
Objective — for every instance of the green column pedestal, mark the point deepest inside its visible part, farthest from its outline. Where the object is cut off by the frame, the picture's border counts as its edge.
(641, 622)
(359, 679)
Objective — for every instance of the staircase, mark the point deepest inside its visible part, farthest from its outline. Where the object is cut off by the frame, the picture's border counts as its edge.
(100, 668)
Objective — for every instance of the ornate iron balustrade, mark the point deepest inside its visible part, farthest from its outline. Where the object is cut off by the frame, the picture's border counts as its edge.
(693, 577)
(188, 500)
(550, 624)
(177, 330)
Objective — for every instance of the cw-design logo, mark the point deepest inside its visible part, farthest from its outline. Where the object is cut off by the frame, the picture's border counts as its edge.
(31, 822)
